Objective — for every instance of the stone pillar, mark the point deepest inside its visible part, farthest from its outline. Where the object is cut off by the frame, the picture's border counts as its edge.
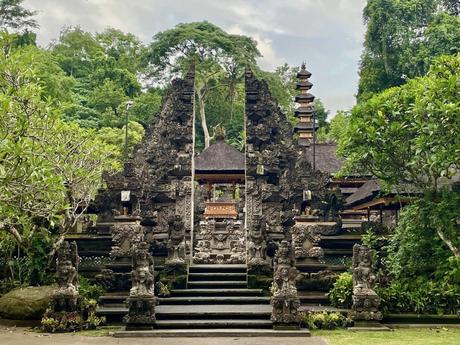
(141, 301)
(285, 301)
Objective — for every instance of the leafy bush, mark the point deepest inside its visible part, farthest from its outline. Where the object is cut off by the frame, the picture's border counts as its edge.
(90, 291)
(340, 295)
(421, 296)
(325, 320)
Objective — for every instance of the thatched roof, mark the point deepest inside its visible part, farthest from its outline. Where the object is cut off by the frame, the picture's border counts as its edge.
(326, 160)
(364, 193)
(220, 157)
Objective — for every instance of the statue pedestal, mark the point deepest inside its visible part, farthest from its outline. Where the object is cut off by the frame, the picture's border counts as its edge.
(141, 314)
(285, 313)
(65, 301)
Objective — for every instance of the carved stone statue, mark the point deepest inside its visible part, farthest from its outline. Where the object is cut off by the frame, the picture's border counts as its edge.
(365, 300)
(284, 298)
(66, 296)
(125, 234)
(142, 274)
(141, 301)
(257, 245)
(306, 242)
(203, 252)
(176, 241)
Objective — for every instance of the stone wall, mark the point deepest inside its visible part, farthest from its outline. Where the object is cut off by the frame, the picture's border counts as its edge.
(159, 174)
(277, 171)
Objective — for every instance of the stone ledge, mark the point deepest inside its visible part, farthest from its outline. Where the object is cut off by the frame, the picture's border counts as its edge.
(215, 333)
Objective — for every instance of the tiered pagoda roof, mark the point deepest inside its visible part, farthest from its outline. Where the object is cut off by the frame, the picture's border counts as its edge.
(307, 125)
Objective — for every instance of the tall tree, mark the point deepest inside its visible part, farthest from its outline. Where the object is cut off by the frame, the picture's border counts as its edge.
(408, 135)
(216, 55)
(402, 39)
(49, 169)
(14, 16)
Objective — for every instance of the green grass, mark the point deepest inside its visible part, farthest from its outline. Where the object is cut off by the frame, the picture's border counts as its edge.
(419, 336)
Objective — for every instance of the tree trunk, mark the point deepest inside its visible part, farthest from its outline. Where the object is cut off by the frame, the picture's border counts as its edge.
(449, 244)
(204, 125)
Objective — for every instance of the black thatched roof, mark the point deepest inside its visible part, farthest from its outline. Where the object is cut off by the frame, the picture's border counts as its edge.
(364, 193)
(326, 158)
(373, 188)
(220, 156)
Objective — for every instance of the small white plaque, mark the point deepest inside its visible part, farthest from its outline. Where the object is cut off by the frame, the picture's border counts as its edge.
(125, 195)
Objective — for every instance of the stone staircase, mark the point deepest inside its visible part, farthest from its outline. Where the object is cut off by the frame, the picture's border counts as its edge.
(216, 297)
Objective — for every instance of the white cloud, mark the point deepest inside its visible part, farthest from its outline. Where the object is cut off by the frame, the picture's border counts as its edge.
(327, 33)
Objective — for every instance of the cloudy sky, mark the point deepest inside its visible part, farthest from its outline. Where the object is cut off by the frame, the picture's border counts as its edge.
(327, 34)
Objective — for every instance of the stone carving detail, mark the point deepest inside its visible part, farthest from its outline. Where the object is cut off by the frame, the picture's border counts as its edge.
(125, 235)
(176, 241)
(306, 241)
(159, 176)
(257, 245)
(284, 298)
(141, 301)
(142, 274)
(65, 298)
(366, 302)
(220, 242)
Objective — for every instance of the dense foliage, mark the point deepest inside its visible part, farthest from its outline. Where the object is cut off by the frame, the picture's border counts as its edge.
(219, 59)
(403, 38)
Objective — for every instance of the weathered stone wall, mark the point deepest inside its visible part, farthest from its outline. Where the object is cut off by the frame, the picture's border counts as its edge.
(159, 174)
(277, 170)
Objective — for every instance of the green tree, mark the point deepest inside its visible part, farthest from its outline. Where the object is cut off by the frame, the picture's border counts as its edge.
(408, 135)
(217, 56)
(125, 48)
(76, 51)
(30, 192)
(146, 106)
(49, 169)
(13, 15)
(452, 6)
(402, 38)
(336, 130)
(115, 137)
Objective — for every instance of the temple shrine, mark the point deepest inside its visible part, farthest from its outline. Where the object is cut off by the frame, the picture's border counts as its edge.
(239, 240)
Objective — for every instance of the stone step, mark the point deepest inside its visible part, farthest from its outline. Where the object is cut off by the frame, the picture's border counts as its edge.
(218, 268)
(214, 300)
(217, 284)
(221, 323)
(217, 276)
(218, 332)
(216, 292)
(118, 301)
(199, 312)
(313, 297)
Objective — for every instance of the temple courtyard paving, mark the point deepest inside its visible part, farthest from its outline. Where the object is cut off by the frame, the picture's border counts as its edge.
(436, 336)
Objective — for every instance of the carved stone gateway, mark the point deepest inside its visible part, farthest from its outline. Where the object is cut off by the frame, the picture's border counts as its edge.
(220, 242)
(156, 183)
(141, 301)
(366, 302)
(66, 297)
(284, 298)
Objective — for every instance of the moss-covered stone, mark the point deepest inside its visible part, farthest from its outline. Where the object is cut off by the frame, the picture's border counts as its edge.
(260, 282)
(322, 281)
(28, 303)
(173, 280)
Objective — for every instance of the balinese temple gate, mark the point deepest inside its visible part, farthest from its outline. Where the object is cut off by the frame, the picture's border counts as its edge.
(238, 239)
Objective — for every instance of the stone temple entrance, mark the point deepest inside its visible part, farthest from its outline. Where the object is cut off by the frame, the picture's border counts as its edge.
(219, 236)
